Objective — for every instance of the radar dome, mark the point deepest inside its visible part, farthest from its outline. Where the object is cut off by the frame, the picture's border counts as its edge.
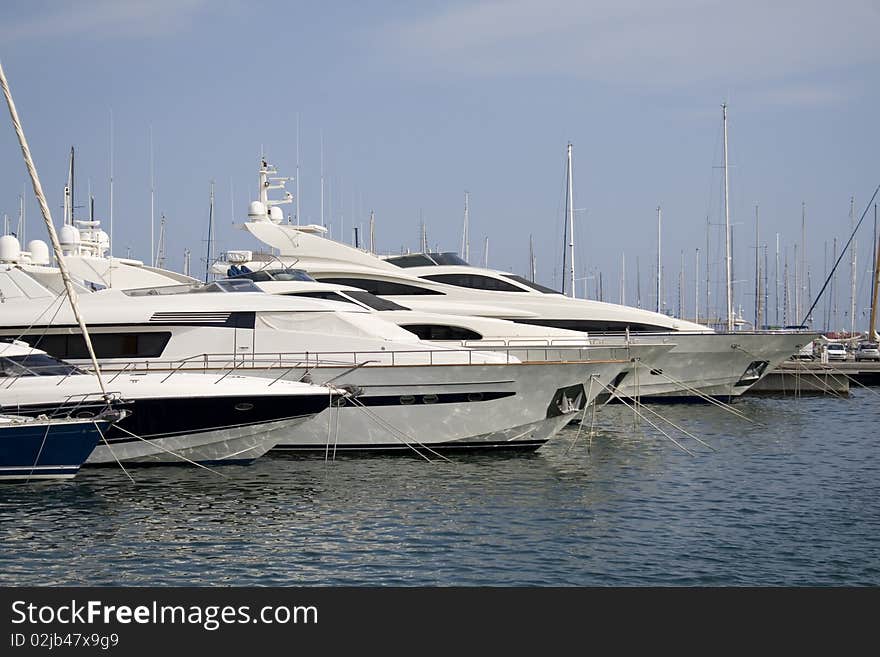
(69, 236)
(275, 214)
(39, 251)
(257, 211)
(10, 249)
(103, 240)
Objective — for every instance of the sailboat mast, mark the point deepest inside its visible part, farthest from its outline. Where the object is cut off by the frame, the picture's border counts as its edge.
(50, 226)
(852, 270)
(757, 272)
(697, 287)
(372, 232)
(465, 238)
(531, 259)
(805, 296)
(872, 326)
(638, 284)
(727, 226)
(570, 223)
(152, 200)
(659, 267)
(296, 209)
(209, 256)
(322, 177)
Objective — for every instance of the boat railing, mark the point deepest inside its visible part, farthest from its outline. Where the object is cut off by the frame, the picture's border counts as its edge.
(228, 363)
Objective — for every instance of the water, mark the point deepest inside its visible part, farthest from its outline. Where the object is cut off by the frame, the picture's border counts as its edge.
(790, 500)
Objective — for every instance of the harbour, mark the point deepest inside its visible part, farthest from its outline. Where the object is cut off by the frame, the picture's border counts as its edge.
(264, 344)
(787, 504)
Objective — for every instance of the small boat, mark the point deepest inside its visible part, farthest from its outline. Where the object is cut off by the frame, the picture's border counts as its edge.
(46, 448)
(172, 417)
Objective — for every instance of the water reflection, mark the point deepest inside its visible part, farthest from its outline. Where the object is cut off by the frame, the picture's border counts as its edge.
(786, 499)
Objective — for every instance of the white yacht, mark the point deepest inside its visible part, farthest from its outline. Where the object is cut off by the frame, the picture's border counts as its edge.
(701, 363)
(408, 392)
(170, 417)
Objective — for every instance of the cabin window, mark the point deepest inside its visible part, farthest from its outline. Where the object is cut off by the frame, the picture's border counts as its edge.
(594, 326)
(474, 281)
(106, 345)
(535, 286)
(327, 296)
(379, 287)
(441, 332)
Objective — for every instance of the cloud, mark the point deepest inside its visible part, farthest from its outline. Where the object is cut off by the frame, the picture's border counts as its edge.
(677, 42)
(101, 18)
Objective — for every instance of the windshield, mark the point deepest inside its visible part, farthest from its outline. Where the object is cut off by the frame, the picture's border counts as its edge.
(35, 365)
(229, 285)
(374, 302)
(531, 284)
(275, 275)
(427, 259)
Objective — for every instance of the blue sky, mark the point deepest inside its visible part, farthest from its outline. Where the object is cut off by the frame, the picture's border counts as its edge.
(418, 102)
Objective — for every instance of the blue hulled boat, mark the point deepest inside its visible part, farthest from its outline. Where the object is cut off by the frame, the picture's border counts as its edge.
(46, 448)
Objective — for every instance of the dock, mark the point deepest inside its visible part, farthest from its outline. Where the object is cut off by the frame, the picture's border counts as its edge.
(817, 378)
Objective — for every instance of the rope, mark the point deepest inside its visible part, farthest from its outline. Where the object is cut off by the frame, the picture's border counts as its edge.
(39, 453)
(175, 454)
(705, 397)
(583, 417)
(408, 439)
(112, 453)
(50, 227)
(674, 441)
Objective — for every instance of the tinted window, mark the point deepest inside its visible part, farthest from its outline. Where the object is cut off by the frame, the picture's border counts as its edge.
(276, 275)
(379, 287)
(427, 259)
(329, 296)
(410, 260)
(474, 281)
(593, 326)
(531, 284)
(374, 302)
(106, 345)
(442, 332)
(35, 365)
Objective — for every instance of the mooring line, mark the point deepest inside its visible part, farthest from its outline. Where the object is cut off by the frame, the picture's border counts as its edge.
(705, 397)
(406, 440)
(175, 454)
(674, 441)
(113, 454)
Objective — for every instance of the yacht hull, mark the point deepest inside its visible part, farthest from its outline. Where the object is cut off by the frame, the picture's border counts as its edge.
(717, 365)
(457, 408)
(209, 425)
